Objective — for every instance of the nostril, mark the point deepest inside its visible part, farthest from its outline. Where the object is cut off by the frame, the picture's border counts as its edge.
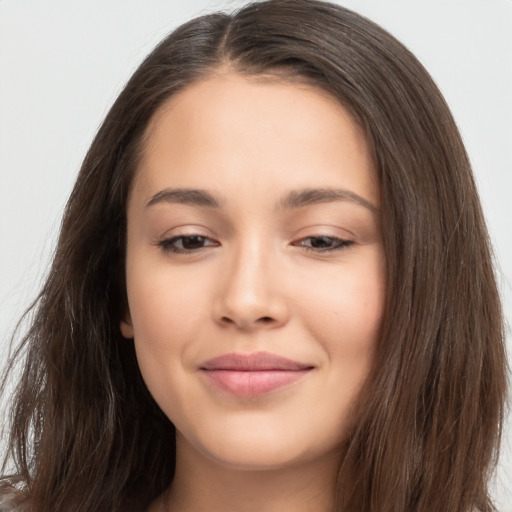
(248, 321)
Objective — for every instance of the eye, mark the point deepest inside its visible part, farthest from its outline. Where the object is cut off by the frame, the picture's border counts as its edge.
(323, 243)
(186, 243)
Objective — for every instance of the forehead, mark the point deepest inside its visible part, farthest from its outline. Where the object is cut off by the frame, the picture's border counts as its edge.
(230, 128)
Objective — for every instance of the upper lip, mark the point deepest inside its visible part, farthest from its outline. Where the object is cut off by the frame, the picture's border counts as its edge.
(256, 361)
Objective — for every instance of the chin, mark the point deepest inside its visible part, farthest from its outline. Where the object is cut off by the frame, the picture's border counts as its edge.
(260, 449)
(255, 459)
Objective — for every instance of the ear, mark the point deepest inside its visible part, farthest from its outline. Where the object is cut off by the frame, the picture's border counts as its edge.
(126, 326)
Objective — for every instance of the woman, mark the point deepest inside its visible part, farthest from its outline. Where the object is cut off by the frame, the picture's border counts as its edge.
(272, 289)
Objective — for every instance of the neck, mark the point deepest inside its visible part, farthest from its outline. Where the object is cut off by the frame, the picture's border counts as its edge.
(205, 485)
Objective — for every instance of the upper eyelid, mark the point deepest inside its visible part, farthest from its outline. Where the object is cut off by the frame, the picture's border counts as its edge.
(166, 242)
(184, 231)
(317, 234)
(333, 237)
(342, 240)
(178, 237)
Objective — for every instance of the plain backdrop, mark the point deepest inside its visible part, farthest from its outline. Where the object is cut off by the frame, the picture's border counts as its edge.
(62, 63)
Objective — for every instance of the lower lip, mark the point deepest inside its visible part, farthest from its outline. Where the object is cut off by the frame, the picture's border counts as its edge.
(253, 383)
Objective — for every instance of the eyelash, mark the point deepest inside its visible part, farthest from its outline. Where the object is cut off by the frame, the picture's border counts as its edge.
(167, 245)
(340, 243)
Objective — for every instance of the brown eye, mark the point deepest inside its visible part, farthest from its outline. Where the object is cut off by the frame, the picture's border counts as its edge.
(186, 243)
(324, 243)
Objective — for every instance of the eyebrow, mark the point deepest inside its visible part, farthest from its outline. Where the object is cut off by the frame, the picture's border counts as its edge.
(308, 196)
(190, 196)
(292, 200)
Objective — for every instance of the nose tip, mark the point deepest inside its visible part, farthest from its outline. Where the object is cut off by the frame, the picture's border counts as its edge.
(263, 313)
(250, 296)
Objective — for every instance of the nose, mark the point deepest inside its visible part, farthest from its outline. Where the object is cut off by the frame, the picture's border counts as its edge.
(251, 295)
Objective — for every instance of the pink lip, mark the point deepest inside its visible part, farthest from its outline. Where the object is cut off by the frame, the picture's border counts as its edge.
(253, 374)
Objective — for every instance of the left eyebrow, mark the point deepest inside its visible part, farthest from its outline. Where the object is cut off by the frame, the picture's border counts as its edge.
(308, 196)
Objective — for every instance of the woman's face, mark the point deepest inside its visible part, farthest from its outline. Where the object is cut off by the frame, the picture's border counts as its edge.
(255, 269)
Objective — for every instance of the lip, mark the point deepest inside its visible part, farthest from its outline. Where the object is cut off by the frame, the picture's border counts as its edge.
(254, 374)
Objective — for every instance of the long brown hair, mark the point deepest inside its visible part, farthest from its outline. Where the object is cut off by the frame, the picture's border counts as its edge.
(85, 433)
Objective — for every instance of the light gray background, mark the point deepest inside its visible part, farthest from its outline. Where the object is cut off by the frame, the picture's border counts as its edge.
(62, 64)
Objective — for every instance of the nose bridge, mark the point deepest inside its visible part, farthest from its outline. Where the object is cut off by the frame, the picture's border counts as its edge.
(249, 268)
(250, 293)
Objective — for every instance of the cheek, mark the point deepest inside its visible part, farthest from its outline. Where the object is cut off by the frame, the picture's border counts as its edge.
(344, 313)
(163, 301)
(167, 314)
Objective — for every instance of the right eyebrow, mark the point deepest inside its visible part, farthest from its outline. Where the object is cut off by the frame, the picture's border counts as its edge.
(190, 196)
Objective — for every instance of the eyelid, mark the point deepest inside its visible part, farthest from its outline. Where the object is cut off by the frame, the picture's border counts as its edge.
(183, 230)
(340, 243)
(332, 242)
(165, 242)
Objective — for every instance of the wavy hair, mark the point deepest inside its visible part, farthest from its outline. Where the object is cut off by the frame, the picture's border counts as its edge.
(86, 435)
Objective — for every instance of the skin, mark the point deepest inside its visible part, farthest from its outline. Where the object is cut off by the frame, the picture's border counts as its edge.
(261, 280)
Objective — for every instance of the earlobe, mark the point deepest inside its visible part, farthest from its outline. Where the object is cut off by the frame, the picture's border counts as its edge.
(126, 326)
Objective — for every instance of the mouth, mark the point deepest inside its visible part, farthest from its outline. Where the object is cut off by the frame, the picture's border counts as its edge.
(251, 375)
